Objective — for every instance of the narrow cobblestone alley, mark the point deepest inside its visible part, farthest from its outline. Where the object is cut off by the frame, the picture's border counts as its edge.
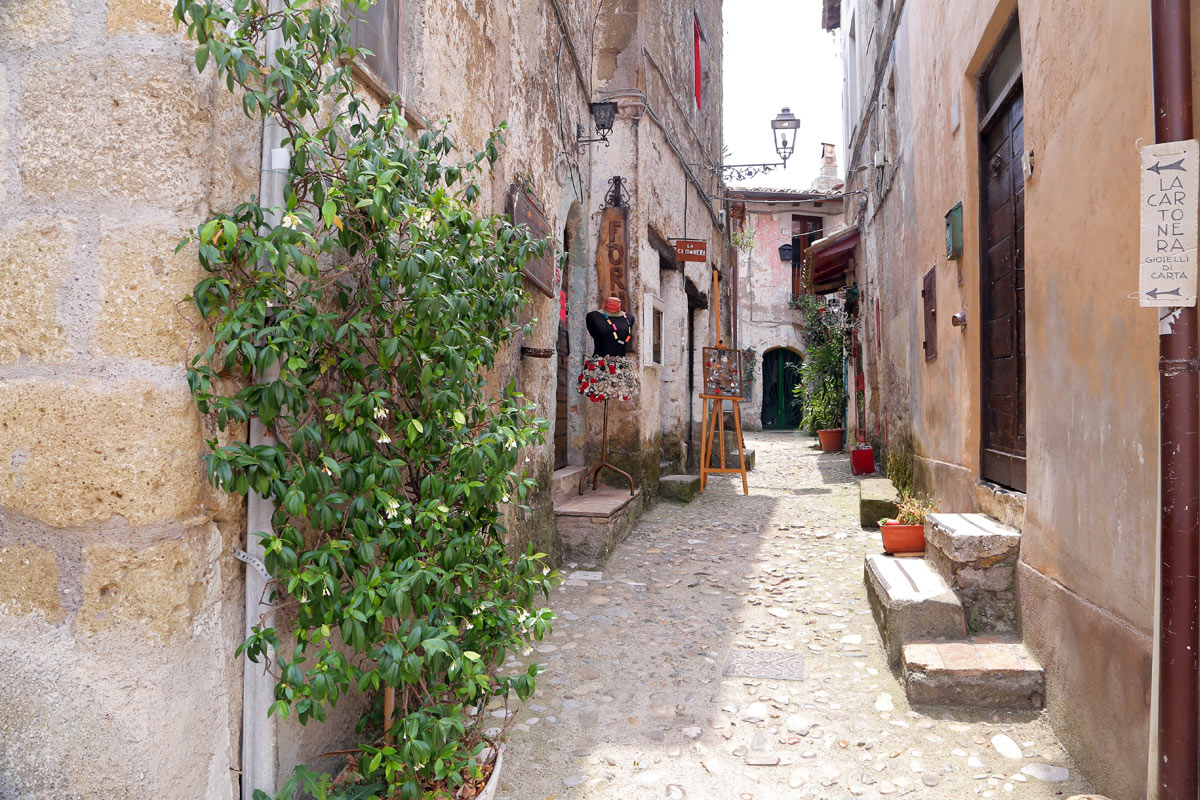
(640, 697)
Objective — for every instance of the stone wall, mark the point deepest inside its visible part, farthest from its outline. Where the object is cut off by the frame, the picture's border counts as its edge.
(120, 601)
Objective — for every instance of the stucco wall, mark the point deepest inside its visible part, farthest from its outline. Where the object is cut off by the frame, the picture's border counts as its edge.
(1088, 570)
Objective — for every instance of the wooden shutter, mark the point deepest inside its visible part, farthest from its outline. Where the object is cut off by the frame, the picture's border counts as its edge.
(929, 312)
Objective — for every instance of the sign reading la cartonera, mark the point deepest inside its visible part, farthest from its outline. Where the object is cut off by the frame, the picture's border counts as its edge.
(1170, 200)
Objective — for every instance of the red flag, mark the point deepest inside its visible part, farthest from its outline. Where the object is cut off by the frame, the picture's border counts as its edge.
(696, 31)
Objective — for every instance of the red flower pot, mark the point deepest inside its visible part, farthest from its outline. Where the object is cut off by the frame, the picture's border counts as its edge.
(862, 460)
(831, 440)
(899, 538)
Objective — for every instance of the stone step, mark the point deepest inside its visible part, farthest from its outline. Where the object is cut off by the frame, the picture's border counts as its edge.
(977, 556)
(565, 484)
(592, 524)
(679, 488)
(877, 498)
(910, 602)
(981, 673)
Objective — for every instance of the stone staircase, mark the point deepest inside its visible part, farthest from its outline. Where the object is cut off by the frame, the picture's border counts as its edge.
(949, 621)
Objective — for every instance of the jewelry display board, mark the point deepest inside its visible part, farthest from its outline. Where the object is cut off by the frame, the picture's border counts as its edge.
(723, 372)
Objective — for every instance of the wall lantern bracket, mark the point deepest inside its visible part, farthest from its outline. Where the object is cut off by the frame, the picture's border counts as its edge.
(604, 115)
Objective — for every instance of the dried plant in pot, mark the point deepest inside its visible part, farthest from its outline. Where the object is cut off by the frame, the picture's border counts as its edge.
(906, 533)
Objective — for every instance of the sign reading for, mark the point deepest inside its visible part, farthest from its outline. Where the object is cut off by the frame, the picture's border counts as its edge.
(691, 250)
(1170, 203)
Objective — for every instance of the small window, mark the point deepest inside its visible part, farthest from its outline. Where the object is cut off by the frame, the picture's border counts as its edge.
(656, 336)
(929, 312)
(378, 29)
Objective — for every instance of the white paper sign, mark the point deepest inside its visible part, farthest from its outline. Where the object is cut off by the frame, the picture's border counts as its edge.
(1170, 201)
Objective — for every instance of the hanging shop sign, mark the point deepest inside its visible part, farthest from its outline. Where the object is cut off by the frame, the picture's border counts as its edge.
(691, 250)
(1170, 201)
(612, 255)
(524, 209)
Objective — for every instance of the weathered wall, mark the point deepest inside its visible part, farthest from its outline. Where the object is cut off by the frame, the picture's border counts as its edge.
(120, 601)
(1087, 560)
(765, 318)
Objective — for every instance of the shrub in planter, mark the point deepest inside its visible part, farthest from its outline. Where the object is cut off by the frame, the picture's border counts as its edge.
(822, 386)
(358, 329)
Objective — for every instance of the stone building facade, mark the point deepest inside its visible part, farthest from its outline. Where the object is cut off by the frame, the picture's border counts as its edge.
(1040, 410)
(121, 603)
(768, 324)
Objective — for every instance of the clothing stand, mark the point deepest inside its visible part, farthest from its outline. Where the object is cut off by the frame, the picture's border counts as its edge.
(594, 473)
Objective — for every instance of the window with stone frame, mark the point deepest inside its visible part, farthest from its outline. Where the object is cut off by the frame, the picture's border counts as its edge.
(378, 29)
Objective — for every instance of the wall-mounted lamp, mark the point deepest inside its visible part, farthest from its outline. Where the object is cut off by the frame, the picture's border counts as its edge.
(784, 128)
(604, 114)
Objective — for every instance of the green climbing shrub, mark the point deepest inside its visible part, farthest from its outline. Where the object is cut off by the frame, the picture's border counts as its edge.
(821, 390)
(358, 324)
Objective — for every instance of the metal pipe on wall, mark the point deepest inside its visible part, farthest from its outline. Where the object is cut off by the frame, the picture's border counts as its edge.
(1179, 447)
(259, 731)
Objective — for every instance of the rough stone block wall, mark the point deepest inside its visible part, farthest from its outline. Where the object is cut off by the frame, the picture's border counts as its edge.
(120, 602)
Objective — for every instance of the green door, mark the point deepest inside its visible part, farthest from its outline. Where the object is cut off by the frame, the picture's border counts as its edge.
(780, 373)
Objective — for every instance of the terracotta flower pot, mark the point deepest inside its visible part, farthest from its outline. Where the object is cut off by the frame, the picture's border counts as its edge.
(899, 538)
(831, 440)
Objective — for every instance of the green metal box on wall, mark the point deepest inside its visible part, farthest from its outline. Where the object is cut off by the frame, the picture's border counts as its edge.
(954, 236)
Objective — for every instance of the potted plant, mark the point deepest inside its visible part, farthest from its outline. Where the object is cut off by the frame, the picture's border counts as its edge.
(822, 386)
(906, 533)
(360, 329)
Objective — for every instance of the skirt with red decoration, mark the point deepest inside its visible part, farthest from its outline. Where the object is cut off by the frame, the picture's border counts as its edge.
(609, 378)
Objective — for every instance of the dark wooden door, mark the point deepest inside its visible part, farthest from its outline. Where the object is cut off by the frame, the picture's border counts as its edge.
(1003, 295)
(780, 374)
(561, 397)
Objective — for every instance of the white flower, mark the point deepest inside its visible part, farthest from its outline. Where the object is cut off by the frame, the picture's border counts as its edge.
(380, 412)
(504, 499)
(290, 220)
(407, 521)
(384, 438)
(392, 509)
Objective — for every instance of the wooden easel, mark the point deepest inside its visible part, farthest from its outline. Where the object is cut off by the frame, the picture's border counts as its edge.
(713, 419)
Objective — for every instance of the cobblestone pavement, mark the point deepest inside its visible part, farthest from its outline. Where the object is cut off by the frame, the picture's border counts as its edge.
(634, 703)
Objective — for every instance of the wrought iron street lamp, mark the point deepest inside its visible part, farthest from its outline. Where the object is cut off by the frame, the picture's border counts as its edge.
(784, 128)
(604, 114)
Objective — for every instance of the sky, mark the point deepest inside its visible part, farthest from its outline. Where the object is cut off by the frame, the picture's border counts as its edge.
(776, 55)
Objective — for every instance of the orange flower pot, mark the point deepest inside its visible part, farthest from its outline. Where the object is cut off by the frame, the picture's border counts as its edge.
(899, 538)
(831, 440)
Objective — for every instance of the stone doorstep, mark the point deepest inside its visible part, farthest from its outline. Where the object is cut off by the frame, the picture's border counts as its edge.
(910, 601)
(592, 524)
(877, 498)
(680, 488)
(565, 484)
(985, 672)
(604, 502)
(974, 540)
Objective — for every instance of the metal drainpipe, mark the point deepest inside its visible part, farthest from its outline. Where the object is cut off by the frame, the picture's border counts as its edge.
(259, 731)
(1179, 445)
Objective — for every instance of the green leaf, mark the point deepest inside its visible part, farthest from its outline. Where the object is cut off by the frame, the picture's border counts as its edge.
(201, 57)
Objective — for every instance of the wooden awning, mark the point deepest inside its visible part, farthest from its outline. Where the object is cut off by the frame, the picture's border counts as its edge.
(831, 258)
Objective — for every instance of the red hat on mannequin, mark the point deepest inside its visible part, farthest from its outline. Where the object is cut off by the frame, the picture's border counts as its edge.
(612, 305)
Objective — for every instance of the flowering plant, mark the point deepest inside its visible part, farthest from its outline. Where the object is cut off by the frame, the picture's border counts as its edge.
(359, 329)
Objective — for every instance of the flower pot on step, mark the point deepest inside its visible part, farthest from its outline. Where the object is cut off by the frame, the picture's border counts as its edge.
(831, 440)
(862, 460)
(493, 784)
(899, 538)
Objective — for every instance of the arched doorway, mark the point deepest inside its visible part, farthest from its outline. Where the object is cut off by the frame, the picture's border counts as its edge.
(780, 374)
(570, 244)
